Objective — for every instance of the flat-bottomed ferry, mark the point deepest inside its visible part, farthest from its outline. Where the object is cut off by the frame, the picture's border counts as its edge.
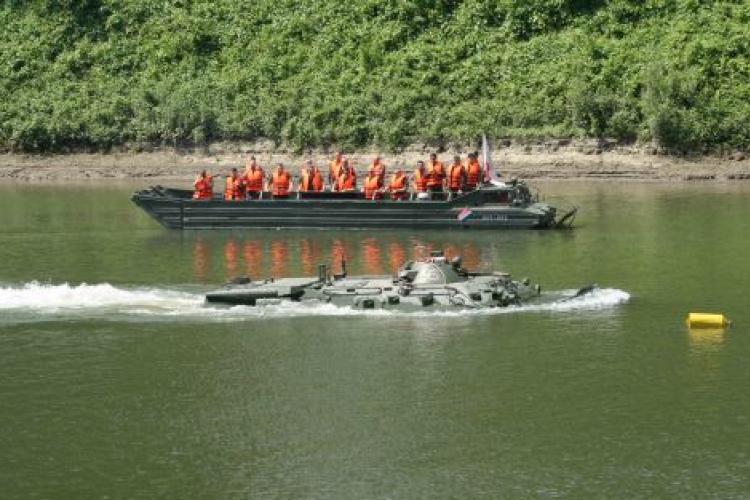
(495, 205)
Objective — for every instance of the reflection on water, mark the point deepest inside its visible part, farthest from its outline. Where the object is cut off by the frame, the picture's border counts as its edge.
(301, 255)
(252, 252)
(705, 347)
(230, 257)
(595, 400)
(396, 255)
(201, 258)
(279, 257)
(339, 252)
(371, 256)
(310, 256)
(705, 341)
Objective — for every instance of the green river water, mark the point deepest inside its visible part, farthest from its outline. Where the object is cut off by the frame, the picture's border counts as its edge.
(117, 382)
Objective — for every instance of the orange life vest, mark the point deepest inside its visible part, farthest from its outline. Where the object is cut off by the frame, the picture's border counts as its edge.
(420, 181)
(398, 182)
(372, 185)
(455, 177)
(317, 180)
(435, 174)
(281, 182)
(254, 180)
(346, 182)
(311, 181)
(233, 189)
(335, 172)
(397, 186)
(203, 189)
(473, 174)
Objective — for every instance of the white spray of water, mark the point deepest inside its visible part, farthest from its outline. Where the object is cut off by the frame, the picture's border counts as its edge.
(38, 302)
(43, 297)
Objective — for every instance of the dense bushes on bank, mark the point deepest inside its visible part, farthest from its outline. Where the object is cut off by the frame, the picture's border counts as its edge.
(100, 73)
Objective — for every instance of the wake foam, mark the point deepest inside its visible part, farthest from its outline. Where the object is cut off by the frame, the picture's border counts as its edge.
(43, 302)
(43, 297)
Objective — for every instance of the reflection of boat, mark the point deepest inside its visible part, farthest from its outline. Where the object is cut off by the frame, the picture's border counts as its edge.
(277, 255)
(493, 206)
(433, 282)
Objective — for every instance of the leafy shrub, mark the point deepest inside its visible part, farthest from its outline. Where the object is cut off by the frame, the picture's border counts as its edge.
(98, 73)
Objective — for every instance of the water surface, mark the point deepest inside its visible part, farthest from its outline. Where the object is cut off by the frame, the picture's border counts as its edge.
(116, 381)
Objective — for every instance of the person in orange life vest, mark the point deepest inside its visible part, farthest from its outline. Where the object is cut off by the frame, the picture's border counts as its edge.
(234, 189)
(304, 175)
(474, 174)
(253, 177)
(397, 185)
(347, 180)
(241, 186)
(456, 176)
(420, 178)
(373, 186)
(204, 186)
(435, 174)
(310, 178)
(335, 170)
(348, 166)
(280, 182)
(378, 168)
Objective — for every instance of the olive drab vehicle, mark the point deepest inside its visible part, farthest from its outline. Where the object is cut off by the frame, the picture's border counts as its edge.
(433, 283)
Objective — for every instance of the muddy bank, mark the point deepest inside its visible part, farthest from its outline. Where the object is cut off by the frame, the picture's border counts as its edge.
(546, 160)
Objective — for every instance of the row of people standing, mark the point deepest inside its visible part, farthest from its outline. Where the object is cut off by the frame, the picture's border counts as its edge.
(342, 177)
(249, 184)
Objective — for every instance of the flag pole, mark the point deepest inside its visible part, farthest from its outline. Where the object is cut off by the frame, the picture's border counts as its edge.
(489, 172)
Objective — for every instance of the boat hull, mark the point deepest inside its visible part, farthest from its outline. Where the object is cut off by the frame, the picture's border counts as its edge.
(174, 210)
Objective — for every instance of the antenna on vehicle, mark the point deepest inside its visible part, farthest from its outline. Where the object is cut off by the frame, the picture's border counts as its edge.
(342, 274)
(322, 272)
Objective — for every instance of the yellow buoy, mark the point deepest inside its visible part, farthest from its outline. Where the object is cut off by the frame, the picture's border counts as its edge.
(707, 320)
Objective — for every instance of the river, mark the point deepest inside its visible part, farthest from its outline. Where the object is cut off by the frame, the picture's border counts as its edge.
(117, 382)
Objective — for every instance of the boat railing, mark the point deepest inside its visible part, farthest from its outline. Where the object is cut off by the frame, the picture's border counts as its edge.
(477, 197)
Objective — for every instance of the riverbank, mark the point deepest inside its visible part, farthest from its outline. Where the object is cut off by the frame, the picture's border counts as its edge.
(544, 160)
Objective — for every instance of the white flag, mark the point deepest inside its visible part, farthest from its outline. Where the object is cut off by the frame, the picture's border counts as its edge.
(489, 171)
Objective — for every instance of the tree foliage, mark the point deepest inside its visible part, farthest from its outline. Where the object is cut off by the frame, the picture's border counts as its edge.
(99, 73)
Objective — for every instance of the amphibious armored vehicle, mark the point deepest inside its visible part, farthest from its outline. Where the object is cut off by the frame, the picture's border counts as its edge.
(434, 282)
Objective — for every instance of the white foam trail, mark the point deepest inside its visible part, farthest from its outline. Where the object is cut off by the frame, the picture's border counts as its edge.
(599, 298)
(42, 298)
(38, 302)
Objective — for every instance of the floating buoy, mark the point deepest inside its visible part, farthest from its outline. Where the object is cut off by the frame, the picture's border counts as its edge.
(707, 320)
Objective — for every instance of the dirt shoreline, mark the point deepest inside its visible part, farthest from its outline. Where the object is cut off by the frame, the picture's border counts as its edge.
(548, 160)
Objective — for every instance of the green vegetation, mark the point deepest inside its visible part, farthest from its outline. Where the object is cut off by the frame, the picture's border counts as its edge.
(102, 73)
